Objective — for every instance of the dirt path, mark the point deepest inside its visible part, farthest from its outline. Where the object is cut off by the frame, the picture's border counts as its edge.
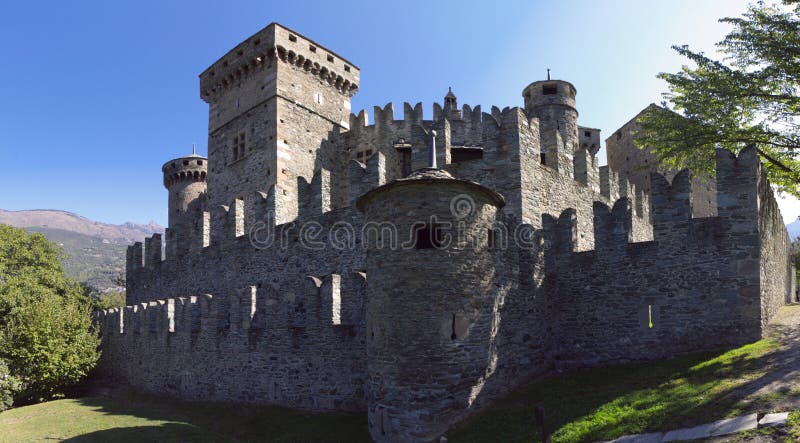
(779, 388)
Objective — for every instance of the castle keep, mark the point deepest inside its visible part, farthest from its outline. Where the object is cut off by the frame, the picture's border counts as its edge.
(315, 259)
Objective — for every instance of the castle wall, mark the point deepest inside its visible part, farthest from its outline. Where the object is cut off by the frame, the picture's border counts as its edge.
(305, 328)
(775, 258)
(259, 345)
(703, 283)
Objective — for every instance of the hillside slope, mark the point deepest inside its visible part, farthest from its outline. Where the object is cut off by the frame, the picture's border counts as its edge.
(96, 250)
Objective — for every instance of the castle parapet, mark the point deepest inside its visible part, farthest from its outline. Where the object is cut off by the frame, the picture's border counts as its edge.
(613, 227)
(152, 246)
(672, 204)
(609, 183)
(737, 180)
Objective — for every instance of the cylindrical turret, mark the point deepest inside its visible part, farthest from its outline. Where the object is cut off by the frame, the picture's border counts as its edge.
(553, 102)
(431, 301)
(185, 180)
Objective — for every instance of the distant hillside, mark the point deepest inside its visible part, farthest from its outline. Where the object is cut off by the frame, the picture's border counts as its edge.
(96, 250)
(794, 229)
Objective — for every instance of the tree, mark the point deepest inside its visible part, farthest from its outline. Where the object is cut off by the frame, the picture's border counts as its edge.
(9, 386)
(751, 97)
(46, 335)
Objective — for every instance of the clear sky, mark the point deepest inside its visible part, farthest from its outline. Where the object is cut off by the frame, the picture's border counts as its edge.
(97, 95)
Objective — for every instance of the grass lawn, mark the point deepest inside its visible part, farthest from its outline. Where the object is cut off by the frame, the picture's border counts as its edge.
(139, 418)
(584, 406)
(602, 404)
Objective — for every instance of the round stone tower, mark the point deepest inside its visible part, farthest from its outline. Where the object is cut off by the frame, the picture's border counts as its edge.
(431, 302)
(553, 102)
(185, 180)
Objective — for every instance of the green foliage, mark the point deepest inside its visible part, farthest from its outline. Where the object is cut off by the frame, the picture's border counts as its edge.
(795, 252)
(793, 425)
(46, 336)
(109, 300)
(95, 261)
(750, 97)
(9, 386)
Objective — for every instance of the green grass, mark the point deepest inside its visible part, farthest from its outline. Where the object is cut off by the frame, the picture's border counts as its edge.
(139, 418)
(583, 406)
(601, 404)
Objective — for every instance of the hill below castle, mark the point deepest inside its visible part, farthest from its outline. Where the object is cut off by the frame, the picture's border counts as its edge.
(96, 250)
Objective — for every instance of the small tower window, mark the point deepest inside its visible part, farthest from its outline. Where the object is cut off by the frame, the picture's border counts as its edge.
(330, 58)
(346, 68)
(428, 236)
(587, 133)
(292, 38)
(312, 48)
(549, 89)
(239, 145)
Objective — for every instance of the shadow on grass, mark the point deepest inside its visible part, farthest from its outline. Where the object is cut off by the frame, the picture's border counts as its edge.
(604, 403)
(210, 421)
(137, 434)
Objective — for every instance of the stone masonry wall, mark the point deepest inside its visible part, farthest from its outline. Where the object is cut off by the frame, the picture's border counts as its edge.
(700, 284)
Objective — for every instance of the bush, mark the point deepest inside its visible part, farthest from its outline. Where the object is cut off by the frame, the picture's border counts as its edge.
(46, 335)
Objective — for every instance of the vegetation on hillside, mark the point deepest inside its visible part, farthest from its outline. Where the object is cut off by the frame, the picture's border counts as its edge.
(93, 261)
(750, 97)
(46, 338)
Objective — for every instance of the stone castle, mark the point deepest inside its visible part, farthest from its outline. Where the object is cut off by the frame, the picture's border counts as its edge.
(319, 260)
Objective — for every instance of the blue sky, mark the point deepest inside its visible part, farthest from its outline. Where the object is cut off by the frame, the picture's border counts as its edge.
(96, 96)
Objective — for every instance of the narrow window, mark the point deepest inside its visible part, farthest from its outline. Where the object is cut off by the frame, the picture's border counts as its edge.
(491, 238)
(312, 48)
(239, 145)
(346, 68)
(330, 58)
(406, 162)
(453, 328)
(587, 133)
(292, 38)
(543, 158)
(206, 228)
(549, 89)
(619, 135)
(239, 216)
(429, 236)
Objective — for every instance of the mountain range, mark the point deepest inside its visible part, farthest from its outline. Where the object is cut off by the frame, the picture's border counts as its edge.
(96, 251)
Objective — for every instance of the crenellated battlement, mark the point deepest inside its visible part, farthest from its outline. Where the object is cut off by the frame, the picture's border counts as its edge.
(193, 168)
(325, 301)
(276, 43)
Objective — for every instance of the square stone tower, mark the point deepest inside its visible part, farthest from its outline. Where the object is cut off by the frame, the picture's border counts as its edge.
(273, 101)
